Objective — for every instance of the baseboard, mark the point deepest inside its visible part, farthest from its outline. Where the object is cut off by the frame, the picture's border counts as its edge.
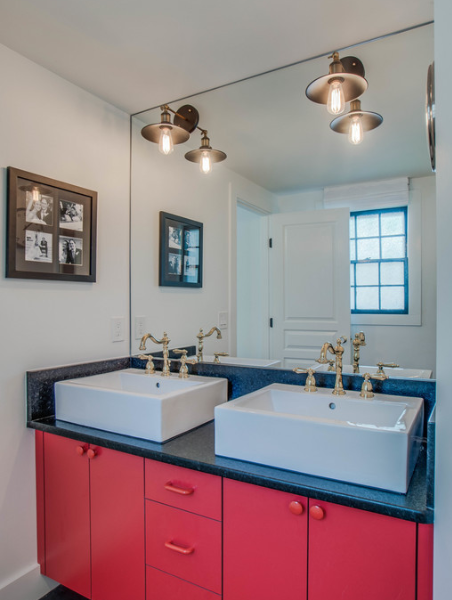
(30, 585)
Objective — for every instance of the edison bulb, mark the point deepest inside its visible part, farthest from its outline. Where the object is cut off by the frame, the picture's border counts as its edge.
(355, 133)
(36, 194)
(205, 163)
(166, 141)
(336, 100)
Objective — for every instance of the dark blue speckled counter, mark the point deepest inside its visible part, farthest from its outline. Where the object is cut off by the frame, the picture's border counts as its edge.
(195, 449)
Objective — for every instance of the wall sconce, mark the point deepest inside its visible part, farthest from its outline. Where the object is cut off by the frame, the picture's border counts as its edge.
(356, 122)
(205, 155)
(344, 82)
(166, 134)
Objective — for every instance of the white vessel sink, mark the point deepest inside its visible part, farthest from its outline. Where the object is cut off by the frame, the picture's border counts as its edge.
(132, 403)
(369, 442)
(390, 371)
(247, 362)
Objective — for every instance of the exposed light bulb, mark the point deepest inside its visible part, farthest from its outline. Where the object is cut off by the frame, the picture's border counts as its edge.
(356, 132)
(166, 140)
(336, 100)
(205, 164)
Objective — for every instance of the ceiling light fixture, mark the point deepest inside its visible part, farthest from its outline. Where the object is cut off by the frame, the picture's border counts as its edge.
(356, 122)
(166, 134)
(344, 82)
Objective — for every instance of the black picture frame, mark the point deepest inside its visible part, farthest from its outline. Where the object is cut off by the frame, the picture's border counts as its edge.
(51, 229)
(181, 248)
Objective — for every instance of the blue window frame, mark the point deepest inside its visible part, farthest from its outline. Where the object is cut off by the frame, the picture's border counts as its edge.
(379, 261)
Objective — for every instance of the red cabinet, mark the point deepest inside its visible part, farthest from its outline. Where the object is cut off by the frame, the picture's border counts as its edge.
(356, 554)
(183, 533)
(353, 554)
(265, 543)
(93, 509)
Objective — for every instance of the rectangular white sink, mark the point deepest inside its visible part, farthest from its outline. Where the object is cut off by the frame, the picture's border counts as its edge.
(246, 362)
(390, 371)
(132, 403)
(368, 442)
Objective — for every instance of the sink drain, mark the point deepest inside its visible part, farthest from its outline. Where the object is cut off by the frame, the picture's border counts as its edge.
(332, 405)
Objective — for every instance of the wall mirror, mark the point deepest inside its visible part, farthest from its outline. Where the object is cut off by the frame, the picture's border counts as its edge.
(281, 157)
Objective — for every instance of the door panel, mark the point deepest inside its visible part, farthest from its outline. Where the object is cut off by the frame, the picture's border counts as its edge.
(309, 283)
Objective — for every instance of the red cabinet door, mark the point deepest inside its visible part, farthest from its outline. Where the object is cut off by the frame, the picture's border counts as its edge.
(117, 525)
(66, 501)
(355, 554)
(264, 543)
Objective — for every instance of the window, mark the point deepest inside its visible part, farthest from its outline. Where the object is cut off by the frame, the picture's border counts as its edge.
(379, 261)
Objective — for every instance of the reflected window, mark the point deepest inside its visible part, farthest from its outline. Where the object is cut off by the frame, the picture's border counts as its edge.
(379, 261)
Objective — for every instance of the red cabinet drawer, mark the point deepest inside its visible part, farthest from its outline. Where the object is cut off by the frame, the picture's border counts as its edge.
(184, 544)
(190, 490)
(161, 585)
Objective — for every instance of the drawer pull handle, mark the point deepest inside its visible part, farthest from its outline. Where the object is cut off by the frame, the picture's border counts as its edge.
(296, 508)
(178, 490)
(179, 549)
(80, 450)
(91, 454)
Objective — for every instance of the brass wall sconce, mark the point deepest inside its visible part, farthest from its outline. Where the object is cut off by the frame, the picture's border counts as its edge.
(344, 82)
(167, 134)
(356, 122)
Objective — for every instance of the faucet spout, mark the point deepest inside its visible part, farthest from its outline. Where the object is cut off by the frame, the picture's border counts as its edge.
(164, 341)
(337, 351)
(201, 335)
(360, 340)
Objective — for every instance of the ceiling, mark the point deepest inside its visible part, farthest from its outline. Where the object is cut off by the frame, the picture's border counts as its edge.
(137, 54)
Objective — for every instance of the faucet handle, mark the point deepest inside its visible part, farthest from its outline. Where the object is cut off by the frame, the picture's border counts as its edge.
(310, 379)
(217, 356)
(150, 368)
(366, 388)
(380, 366)
(183, 371)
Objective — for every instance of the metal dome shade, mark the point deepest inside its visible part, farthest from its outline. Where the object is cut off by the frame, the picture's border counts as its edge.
(369, 120)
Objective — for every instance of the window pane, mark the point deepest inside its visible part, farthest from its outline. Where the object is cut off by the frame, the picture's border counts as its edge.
(367, 274)
(352, 298)
(352, 250)
(352, 227)
(392, 273)
(367, 298)
(393, 298)
(393, 223)
(393, 247)
(352, 274)
(367, 226)
(369, 249)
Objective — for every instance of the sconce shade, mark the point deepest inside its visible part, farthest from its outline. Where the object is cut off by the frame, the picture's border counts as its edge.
(349, 71)
(369, 120)
(185, 121)
(196, 155)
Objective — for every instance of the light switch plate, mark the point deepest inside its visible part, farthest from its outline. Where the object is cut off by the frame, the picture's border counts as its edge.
(223, 320)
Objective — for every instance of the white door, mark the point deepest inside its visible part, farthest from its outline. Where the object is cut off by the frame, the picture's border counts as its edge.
(309, 284)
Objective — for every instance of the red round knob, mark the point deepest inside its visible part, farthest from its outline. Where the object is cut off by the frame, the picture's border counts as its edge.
(80, 450)
(296, 508)
(91, 453)
(317, 512)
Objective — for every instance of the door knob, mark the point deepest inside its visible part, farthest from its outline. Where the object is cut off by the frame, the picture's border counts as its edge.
(296, 508)
(91, 453)
(317, 513)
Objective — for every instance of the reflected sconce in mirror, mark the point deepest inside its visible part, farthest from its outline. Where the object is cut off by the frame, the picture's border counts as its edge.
(356, 122)
(344, 82)
(167, 134)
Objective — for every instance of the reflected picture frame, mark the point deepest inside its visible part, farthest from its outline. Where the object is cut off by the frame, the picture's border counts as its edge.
(51, 228)
(181, 251)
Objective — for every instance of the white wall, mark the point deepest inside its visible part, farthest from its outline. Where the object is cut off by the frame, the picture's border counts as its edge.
(410, 346)
(53, 128)
(443, 476)
(174, 185)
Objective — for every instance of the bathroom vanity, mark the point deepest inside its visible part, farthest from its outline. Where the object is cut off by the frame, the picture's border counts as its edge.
(121, 517)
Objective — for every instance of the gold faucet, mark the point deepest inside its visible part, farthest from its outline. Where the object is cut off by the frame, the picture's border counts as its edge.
(201, 335)
(310, 379)
(338, 351)
(380, 366)
(366, 388)
(360, 340)
(164, 341)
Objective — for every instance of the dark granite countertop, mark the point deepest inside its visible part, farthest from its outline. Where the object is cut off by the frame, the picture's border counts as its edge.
(195, 449)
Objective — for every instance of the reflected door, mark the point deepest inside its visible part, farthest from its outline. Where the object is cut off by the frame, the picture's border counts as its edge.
(309, 284)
